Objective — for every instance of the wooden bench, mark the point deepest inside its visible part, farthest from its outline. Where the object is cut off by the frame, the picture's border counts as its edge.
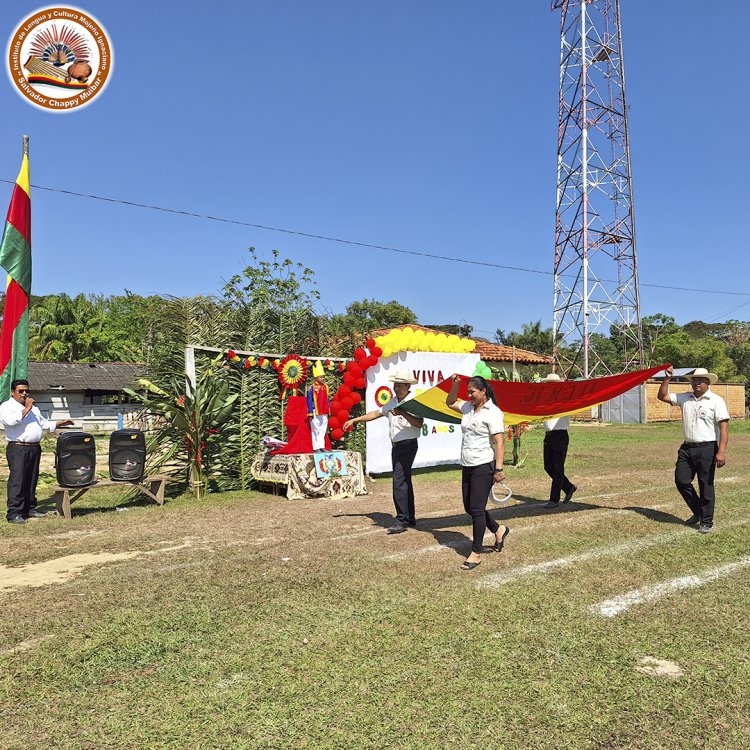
(152, 486)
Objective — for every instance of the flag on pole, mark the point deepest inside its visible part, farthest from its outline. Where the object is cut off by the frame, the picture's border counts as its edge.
(530, 402)
(15, 258)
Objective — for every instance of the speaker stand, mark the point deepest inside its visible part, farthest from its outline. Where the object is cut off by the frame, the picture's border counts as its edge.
(152, 486)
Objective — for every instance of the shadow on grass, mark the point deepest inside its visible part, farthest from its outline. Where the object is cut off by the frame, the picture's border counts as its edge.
(656, 515)
(526, 507)
(127, 501)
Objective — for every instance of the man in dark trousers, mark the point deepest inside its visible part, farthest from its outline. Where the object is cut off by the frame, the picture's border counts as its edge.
(404, 429)
(555, 452)
(705, 426)
(24, 425)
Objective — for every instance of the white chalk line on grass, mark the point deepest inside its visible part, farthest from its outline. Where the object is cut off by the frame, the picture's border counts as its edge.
(495, 580)
(423, 551)
(622, 603)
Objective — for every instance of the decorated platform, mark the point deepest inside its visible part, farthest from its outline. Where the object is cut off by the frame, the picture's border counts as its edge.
(306, 479)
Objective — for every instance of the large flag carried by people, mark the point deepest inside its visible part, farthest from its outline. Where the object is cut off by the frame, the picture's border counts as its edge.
(15, 258)
(529, 402)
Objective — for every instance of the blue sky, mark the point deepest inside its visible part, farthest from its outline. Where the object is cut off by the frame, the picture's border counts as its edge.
(427, 126)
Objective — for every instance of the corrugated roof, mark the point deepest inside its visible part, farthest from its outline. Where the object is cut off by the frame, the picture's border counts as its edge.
(86, 376)
(679, 372)
(488, 351)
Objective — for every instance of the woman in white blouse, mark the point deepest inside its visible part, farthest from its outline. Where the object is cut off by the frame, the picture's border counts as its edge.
(482, 453)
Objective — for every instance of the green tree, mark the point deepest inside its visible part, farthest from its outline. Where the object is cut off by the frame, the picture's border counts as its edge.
(655, 328)
(532, 337)
(71, 329)
(458, 329)
(367, 315)
(683, 350)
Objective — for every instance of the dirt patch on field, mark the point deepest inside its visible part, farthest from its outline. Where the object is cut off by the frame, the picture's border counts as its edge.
(659, 668)
(58, 570)
(27, 645)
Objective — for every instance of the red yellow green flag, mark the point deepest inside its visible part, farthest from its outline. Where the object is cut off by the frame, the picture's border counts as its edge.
(530, 402)
(15, 258)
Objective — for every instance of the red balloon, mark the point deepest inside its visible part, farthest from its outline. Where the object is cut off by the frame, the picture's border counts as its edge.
(349, 379)
(335, 406)
(359, 353)
(356, 370)
(356, 398)
(344, 390)
(370, 344)
(363, 363)
(373, 360)
(347, 402)
(333, 422)
(377, 351)
(352, 366)
(342, 415)
(361, 383)
(337, 434)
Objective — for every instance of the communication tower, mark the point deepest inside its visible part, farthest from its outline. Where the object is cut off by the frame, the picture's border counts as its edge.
(596, 273)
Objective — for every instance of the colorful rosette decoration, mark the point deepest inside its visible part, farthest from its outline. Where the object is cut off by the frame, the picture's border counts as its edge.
(292, 373)
(383, 395)
(232, 356)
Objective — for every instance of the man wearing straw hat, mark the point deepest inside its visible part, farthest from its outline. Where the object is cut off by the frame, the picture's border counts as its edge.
(555, 452)
(404, 429)
(705, 424)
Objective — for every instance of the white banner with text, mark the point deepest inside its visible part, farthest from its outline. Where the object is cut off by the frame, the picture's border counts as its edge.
(439, 443)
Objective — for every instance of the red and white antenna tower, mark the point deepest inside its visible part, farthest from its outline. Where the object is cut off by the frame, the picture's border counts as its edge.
(596, 274)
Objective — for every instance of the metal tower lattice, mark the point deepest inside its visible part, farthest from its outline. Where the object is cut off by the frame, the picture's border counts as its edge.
(596, 274)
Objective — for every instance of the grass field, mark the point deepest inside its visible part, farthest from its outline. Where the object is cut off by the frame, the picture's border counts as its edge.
(248, 621)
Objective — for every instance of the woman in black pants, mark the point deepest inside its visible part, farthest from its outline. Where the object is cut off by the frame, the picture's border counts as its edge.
(482, 453)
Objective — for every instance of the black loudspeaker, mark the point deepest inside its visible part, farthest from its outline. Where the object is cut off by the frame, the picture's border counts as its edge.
(75, 459)
(127, 455)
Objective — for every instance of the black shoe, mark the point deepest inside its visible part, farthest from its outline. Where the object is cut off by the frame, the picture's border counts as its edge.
(498, 546)
(397, 528)
(16, 519)
(466, 565)
(550, 504)
(36, 514)
(412, 524)
(692, 521)
(569, 495)
(703, 529)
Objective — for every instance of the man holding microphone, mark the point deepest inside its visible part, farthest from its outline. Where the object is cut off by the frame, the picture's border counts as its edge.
(24, 426)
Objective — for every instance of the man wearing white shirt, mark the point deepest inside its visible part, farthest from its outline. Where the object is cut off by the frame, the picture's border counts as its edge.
(555, 452)
(403, 429)
(705, 424)
(24, 426)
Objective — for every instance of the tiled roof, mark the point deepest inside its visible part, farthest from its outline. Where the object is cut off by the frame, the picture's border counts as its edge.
(87, 376)
(488, 351)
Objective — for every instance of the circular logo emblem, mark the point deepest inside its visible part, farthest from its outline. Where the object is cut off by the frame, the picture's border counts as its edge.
(60, 58)
(383, 395)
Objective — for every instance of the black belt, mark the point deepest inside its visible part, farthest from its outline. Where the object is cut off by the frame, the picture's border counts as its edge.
(20, 442)
(705, 442)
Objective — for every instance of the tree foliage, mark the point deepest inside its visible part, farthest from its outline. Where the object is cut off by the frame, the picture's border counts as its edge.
(532, 337)
(363, 316)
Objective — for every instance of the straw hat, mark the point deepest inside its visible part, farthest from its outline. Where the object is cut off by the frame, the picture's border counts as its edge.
(402, 376)
(702, 372)
(553, 377)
